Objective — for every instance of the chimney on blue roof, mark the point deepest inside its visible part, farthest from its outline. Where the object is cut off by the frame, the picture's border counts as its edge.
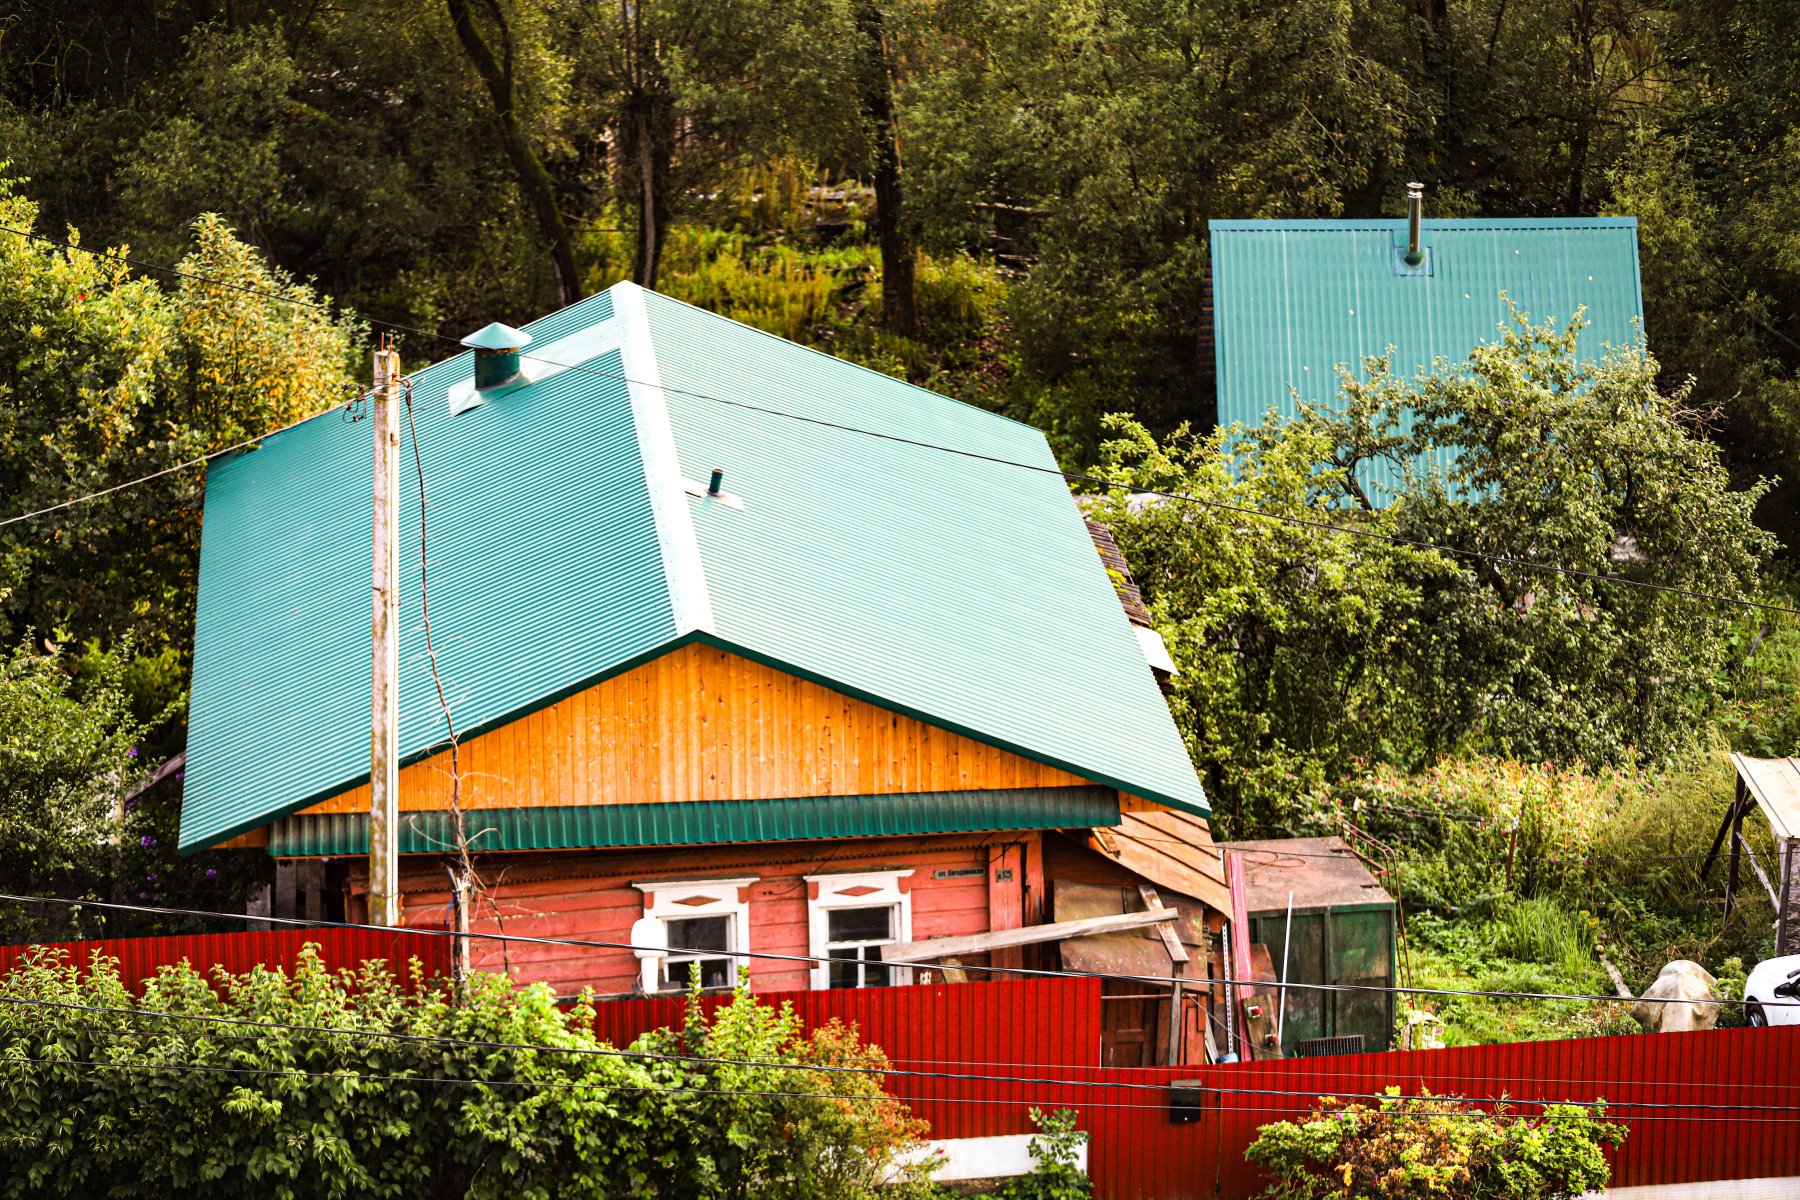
(496, 349)
(1415, 213)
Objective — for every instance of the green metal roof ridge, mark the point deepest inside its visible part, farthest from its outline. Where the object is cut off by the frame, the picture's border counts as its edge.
(814, 350)
(1437, 224)
(712, 822)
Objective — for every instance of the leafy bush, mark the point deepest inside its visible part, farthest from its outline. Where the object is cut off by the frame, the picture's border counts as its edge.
(358, 1086)
(1057, 1175)
(1435, 1145)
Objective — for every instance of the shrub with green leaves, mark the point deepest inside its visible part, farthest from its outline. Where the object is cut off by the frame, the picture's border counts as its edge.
(1437, 1146)
(1055, 1148)
(318, 1084)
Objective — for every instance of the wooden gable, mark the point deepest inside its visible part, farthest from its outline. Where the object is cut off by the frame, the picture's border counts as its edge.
(698, 724)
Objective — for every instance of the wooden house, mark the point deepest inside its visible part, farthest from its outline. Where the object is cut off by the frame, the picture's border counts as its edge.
(749, 651)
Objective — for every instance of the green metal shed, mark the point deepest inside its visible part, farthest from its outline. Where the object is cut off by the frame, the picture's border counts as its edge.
(1343, 932)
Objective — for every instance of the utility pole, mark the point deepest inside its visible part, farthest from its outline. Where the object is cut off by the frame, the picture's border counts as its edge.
(384, 726)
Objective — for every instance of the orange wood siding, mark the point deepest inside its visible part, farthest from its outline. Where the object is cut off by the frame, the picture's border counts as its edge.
(588, 895)
(702, 724)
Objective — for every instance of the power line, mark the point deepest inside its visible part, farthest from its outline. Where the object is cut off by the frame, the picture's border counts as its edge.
(825, 1069)
(1592, 1110)
(1071, 476)
(810, 959)
(154, 475)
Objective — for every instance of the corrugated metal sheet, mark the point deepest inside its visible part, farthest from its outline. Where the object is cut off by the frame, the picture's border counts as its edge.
(713, 822)
(964, 592)
(545, 573)
(1294, 299)
(339, 948)
(1698, 1106)
(958, 591)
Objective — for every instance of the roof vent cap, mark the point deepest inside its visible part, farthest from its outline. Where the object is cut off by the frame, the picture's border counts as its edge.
(496, 349)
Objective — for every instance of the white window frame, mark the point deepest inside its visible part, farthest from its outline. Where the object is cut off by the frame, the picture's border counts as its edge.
(674, 900)
(825, 893)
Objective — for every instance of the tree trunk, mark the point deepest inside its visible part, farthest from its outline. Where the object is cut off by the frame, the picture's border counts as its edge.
(533, 179)
(649, 246)
(899, 309)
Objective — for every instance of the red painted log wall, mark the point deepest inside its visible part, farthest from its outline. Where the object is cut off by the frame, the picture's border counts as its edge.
(589, 896)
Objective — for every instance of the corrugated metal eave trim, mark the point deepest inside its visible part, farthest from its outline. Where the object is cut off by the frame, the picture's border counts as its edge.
(1199, 808)
(1437, 225)
(563, 693)
(718, 822)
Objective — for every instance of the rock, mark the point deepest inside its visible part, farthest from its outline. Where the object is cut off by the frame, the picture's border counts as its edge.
(1680, 980)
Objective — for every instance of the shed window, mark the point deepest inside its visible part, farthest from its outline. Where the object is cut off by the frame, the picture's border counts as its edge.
(850, 918)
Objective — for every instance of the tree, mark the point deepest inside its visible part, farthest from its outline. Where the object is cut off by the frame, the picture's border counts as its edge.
(899, 258)
(66, 760)
(494, 56)
(1314, 631)
(108, 379)
(1107, 136)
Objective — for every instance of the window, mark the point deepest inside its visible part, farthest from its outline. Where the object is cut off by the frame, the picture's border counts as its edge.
(688, 922)
(850, 917)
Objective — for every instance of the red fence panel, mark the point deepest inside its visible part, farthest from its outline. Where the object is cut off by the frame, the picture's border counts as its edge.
(1723, 1104)
(1030, 1028)
(139, 958)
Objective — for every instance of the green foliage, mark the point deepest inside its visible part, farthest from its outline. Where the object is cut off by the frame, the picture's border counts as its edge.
(1054, 1147)
(1305, 650)
(1436, 1145)
(109, 379)
(113, 1103)
(65, 761)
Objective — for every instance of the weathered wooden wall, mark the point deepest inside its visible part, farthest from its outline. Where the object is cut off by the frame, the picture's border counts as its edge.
(589, 895)
(703, 724)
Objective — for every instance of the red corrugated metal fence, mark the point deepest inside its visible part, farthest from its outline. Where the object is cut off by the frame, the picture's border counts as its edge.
(1679, 1094)
(139, 958)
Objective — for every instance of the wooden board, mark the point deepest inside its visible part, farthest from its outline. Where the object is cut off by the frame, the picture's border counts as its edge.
(703, 724)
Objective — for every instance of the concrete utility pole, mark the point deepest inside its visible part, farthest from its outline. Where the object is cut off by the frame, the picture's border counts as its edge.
(384, 726)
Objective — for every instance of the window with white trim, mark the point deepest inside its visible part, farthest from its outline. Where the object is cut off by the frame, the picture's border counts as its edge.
(849, 918)
(689, 922)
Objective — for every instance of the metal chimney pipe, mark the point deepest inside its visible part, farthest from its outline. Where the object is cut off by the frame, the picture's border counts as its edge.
(1415, 213)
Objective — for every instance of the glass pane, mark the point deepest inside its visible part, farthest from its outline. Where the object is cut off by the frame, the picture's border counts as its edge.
(714, 972)
(859, 925)
(844, 972)
(699, 933)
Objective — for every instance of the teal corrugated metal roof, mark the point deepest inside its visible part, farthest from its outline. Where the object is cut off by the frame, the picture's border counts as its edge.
(1293, 299)
(714, 822)
(567, 546)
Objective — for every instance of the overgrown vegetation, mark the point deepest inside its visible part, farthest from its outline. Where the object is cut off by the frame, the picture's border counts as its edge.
(1436, 1145)
(339, 1085)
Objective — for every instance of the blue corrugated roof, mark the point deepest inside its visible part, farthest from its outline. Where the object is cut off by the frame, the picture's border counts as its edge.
(1292, 300)
(567, 546)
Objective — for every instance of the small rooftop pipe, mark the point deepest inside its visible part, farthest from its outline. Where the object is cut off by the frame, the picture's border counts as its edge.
(1415, 213)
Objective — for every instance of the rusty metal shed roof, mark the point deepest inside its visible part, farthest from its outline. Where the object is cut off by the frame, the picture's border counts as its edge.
(1321, 872)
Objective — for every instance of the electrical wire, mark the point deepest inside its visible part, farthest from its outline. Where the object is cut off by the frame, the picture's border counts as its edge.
(1070, 476)
(982, 1101)
(827, 1069)
(154, 475)
(810, 959)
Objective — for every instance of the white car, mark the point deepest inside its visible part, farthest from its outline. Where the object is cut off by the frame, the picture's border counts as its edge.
(1773, 992)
